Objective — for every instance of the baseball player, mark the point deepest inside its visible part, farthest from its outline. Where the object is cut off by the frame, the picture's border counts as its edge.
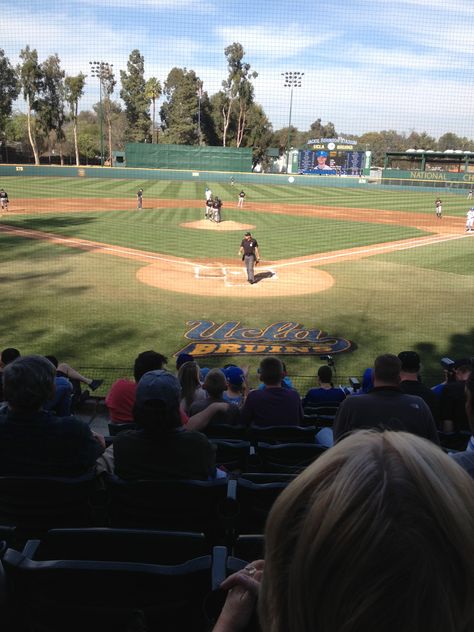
(216, 212)
(438, 208)
(250, 255)
(208, 194)
(240, 203)
(140, 198)
(470, 220)
(208, 208)
(469, 195)
(3, 200)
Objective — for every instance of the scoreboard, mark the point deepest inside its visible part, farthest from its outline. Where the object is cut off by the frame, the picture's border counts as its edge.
(331, 156)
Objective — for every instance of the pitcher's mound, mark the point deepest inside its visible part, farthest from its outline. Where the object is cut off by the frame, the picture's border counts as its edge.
(206, 224)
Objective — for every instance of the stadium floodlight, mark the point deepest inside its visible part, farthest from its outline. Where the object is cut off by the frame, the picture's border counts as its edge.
(291, 80)
(101, 70)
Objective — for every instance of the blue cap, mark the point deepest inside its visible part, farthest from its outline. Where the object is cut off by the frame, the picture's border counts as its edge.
(159, 384)
(234, 375)
(182, 358)
(321, 152)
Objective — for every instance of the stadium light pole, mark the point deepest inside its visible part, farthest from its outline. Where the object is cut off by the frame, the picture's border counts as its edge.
(291, 80)
(199, 96)
(101, 69)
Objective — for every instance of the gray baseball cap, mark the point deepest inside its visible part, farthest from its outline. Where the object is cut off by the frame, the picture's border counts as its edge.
(159, 384)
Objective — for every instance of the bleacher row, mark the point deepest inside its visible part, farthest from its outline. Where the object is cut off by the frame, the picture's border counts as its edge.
(90, 554)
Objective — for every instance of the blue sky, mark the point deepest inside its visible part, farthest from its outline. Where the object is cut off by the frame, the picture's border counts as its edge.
(369, 65)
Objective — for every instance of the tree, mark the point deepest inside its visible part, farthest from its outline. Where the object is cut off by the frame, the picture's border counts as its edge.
(179, 113)
(133, 93)
(420, 141)
(51, 114)
(153, 92)
(9, 89)
(452, 141)
(259, 135)
(74, 89)
(31, 81)
(107, 79)
(382, 142)
(237, 90)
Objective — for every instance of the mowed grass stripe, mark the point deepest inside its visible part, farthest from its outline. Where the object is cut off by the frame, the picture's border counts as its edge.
(281, 236)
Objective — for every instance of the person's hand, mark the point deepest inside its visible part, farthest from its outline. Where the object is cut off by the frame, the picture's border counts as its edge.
(243, 590)
(100, 439)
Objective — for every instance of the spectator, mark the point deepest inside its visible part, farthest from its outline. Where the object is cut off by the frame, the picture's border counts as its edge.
(121, 397)
(410, 381)
(376, 534)
(182, 358)
(466, 459)
(68, 371)
(215, 384)
(191, 389)
(326, 392)
(60, 403)
(285, 382)
(275, 405)
(452, 402)
(386, 407)
(367, 381)
(6, 356)
(34, 442)
(161, 447)
(236, 386)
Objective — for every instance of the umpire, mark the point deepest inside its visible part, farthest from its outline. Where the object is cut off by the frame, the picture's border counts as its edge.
(250, 255)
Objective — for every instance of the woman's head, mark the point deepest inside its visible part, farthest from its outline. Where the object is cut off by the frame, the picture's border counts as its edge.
(377, 534)
(188, 376)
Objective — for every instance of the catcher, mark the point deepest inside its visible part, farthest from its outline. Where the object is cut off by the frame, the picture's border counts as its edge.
(250, 255)
(3, 200)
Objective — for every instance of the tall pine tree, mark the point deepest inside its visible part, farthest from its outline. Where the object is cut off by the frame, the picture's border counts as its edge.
(134, 95)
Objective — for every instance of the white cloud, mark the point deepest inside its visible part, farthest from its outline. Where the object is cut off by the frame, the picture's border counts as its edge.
(271, 40)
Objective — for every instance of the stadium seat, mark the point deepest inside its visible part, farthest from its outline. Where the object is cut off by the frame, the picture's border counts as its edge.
(321, 415)
(34, 505)
(185, 505)
(287, 457)
(232, 454)
(77, 595)
(115, 429)
(282, 434)
(254, 503)
(118, 545)
(226, 431)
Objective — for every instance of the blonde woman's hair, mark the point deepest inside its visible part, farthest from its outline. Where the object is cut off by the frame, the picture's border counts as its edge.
(188, 376)
(376, 535)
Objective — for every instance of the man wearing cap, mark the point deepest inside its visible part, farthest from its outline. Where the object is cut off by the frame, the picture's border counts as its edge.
(321, 158)
(161, 448)
(452, 402)
(250, 255)
(410, 381)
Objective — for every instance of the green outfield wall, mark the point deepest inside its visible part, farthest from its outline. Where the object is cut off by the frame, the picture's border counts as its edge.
(430, 179)
(206, 158)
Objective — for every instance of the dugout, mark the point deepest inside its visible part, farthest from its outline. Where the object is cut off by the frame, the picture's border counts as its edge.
(204, 158)
(453, 168)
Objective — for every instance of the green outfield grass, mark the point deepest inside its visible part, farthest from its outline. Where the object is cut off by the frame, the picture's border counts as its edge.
(394, 198)
(159, 230)
(90, 310)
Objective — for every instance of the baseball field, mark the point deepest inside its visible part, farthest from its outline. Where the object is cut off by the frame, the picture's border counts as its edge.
(89, 278)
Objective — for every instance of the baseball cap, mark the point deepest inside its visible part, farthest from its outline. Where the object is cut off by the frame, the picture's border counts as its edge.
(248, 234)
(321, 152)
(234, 375)
(159, 384)
(410, 360)
(182, 358)
(463, 362)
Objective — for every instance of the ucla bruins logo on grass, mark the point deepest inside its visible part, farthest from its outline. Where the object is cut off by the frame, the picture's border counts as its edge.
(286, 337)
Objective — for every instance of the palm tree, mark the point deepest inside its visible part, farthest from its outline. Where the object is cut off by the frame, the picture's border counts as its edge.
(153, 92)
(74, 91)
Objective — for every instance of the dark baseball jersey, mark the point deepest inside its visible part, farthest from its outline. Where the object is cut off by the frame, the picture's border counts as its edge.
(249, 246)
